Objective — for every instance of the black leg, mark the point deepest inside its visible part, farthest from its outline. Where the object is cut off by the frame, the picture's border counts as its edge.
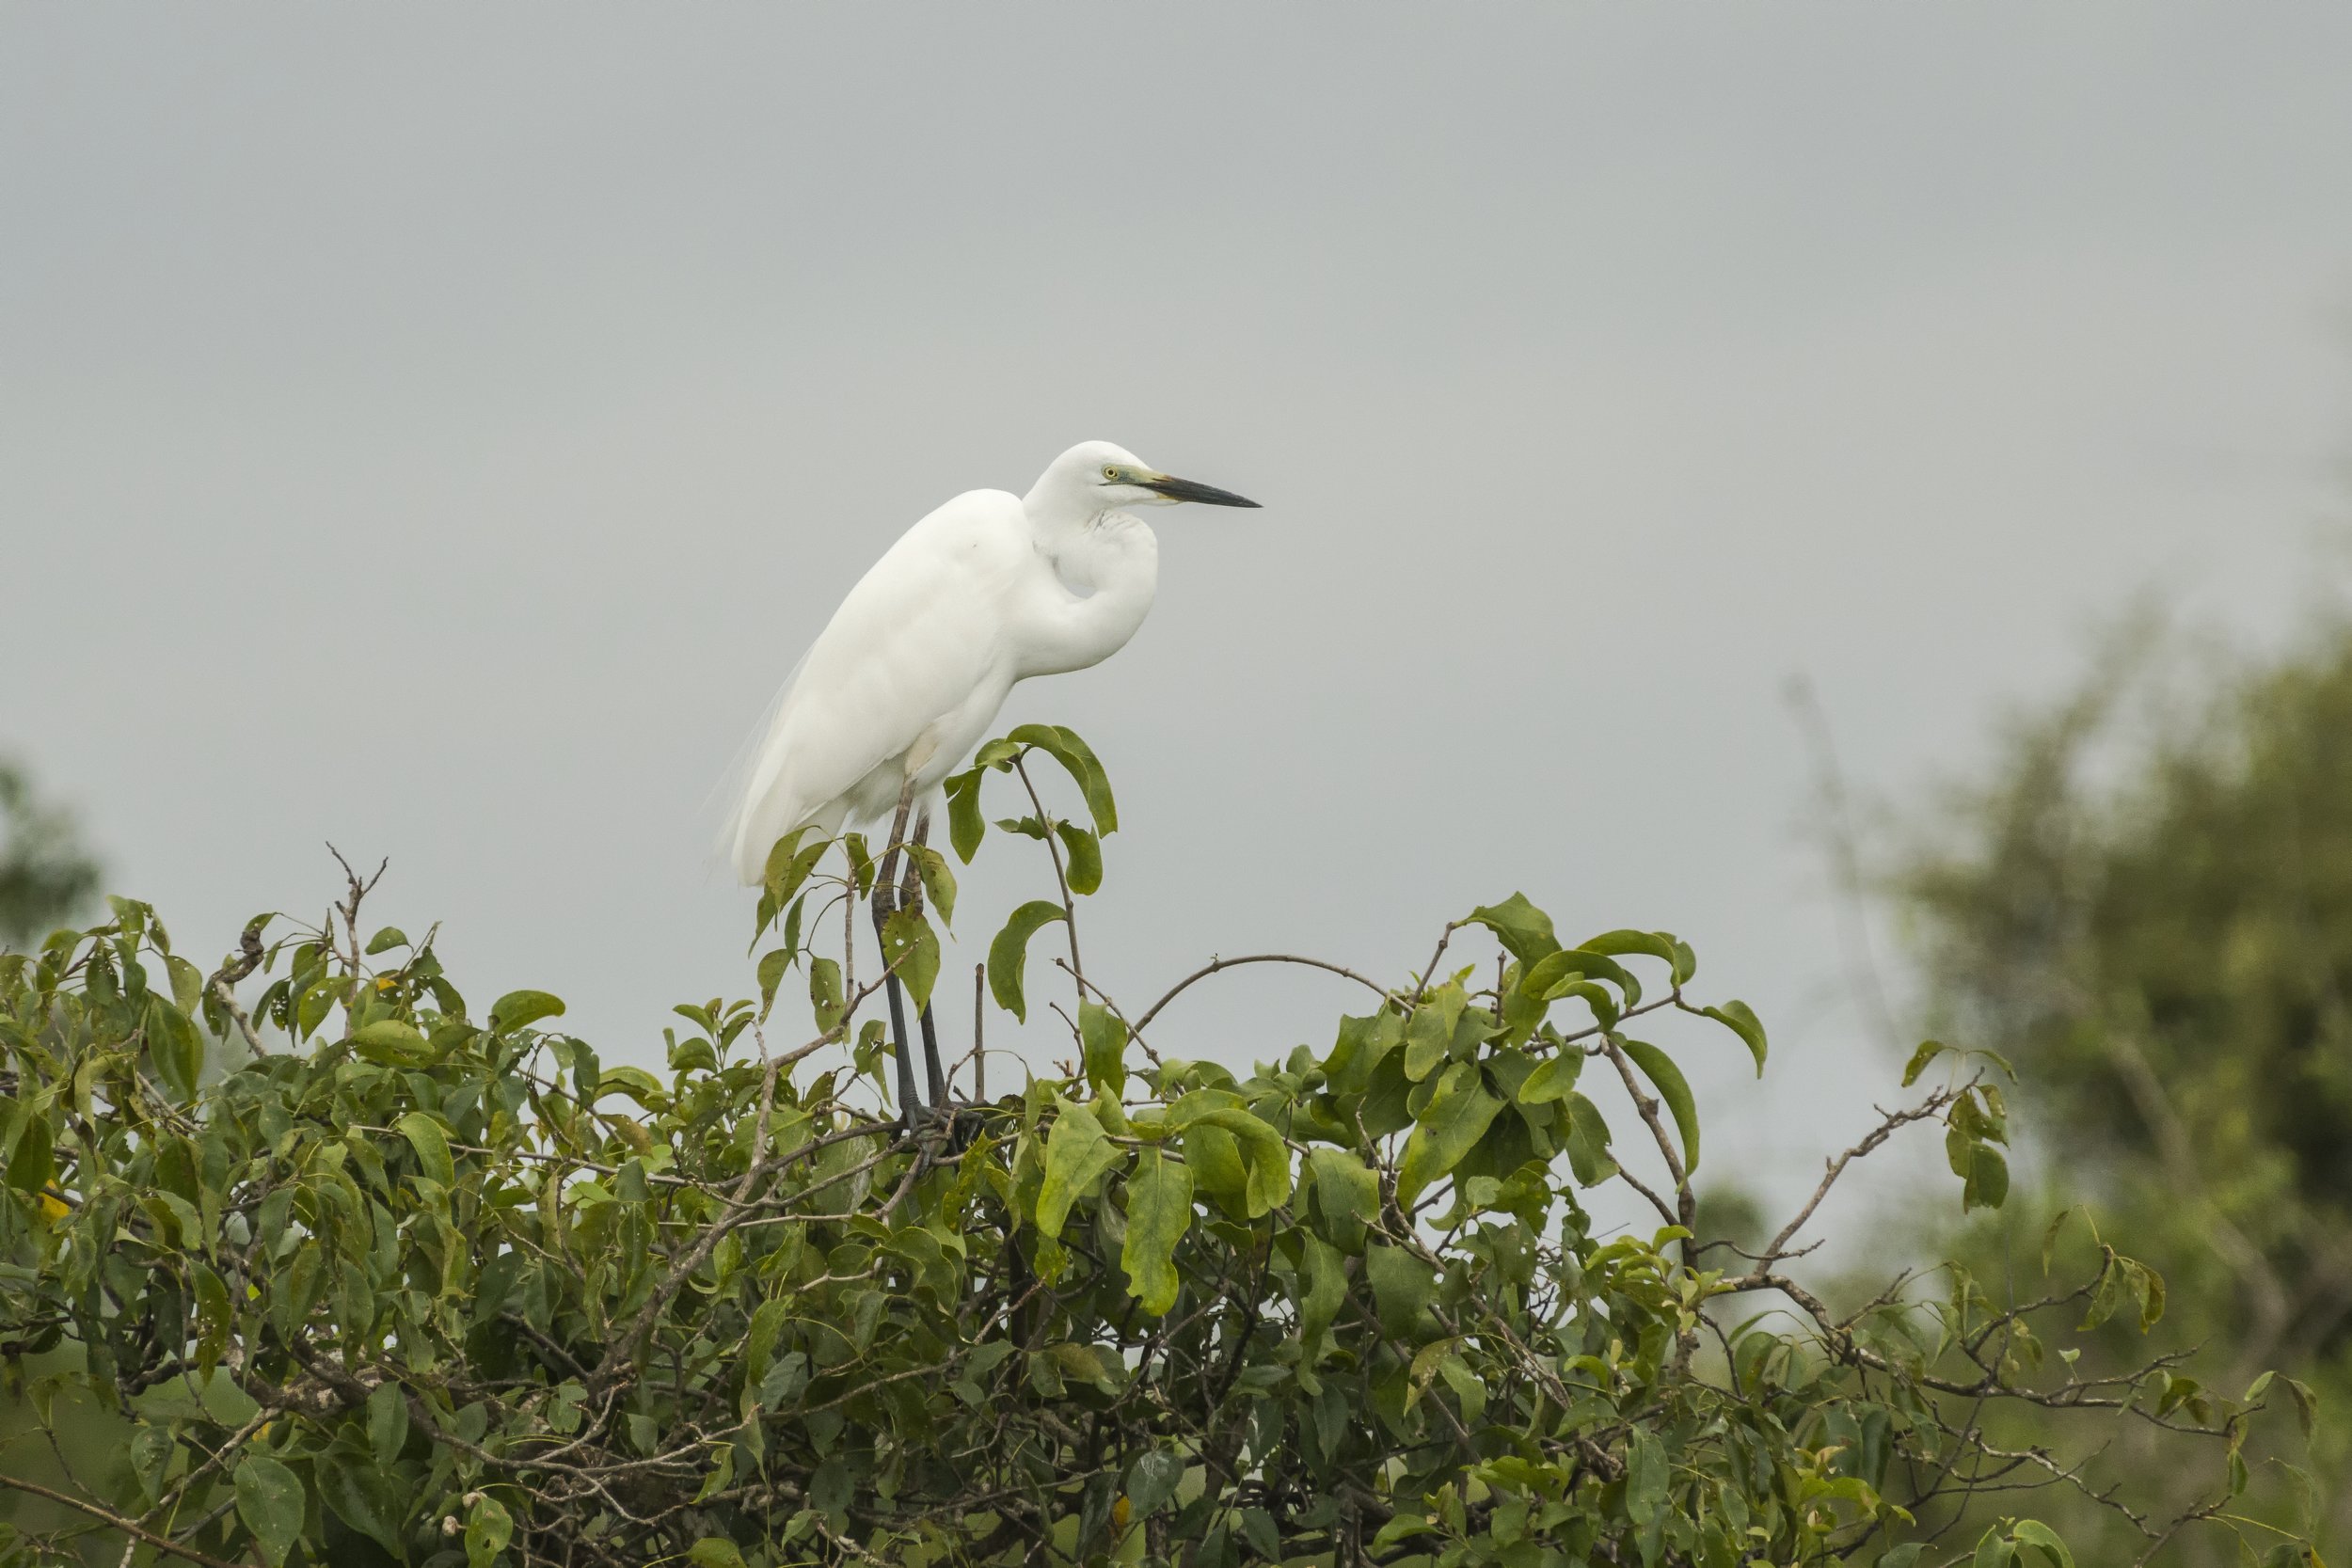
(886, 889)
(910, 896)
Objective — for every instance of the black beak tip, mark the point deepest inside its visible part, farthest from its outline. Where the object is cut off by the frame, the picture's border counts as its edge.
(1192, 490)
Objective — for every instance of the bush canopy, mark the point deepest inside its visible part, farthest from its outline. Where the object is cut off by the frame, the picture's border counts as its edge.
(370, 1273)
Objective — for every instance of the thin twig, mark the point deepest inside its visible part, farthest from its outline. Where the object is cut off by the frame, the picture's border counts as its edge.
(1053, 847)
(1213, 965)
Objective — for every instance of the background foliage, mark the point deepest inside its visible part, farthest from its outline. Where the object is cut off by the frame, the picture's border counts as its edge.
(403, 1277)
(46, 876)
(2148, 902)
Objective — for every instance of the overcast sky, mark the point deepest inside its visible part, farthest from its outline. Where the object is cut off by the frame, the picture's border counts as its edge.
(438, 429)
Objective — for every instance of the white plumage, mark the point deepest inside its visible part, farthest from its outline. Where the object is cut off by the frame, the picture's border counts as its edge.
(908, 675)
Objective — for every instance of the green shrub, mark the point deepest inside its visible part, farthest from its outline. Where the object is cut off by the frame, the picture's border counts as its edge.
(428, 1282)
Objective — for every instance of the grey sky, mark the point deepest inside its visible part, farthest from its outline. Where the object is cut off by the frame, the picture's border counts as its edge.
(438, 429)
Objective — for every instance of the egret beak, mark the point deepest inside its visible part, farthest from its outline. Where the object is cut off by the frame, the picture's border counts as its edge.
(1187, 490)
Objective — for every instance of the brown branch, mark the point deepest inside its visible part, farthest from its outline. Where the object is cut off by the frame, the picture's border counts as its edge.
(1891, 1121)
(129, 1527)
(236, 968)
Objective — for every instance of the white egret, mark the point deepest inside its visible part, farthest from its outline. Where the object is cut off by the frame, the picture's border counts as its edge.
(906, 678)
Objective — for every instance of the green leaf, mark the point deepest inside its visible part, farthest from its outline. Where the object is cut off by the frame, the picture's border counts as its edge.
(1217, 1169)
(1257, 1525)
(151, 1453)
(1325, 1271)
(489, 1528)
(1646, 1473)
(720, 1476)
(1403, 1288)
(31, 1165)
(909, 941)
(790, 864)
(1084, 870)
(1929, 1051)
(1103, 1036)
(856, 850)
(1554, 975)
(360, 1494)
(1982, 1169)
(636, 1082)
(1076, 1154)
(1159, 1210)
(1742, 1021)
(1263, 1153)
(187, 983)
(1675, 1090)
(1457, 1117)
(1651, 944)
(2034, 1533)
(1993, 1550)
(1008, 955)
(2306, 1403)
(1151, 1482)
(824, 994)
(714, 1551)
(1346, 1195)
(386, 939)
(939, 881)
(425, 1136)
(1079, 761)
(2150, 1285)
(1588, 1141)
(1553, 1077)
(387, 1421)
(1403, 1527)
(519, 1008)
(1429, 1033)
(392, 1042)
(1902, 1556)
(270, 1502)
(212, 1317)
(772, 967)
(1519, 925)
(966, 827)
(175, 1047)
(2049, 1237)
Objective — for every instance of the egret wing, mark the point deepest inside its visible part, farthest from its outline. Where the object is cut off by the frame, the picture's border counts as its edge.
(908, 645)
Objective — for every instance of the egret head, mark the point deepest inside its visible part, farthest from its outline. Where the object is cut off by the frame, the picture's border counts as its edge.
(1095, 477)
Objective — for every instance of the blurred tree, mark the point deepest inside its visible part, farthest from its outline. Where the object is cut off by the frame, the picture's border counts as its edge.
(2148, 904)
(46, 876)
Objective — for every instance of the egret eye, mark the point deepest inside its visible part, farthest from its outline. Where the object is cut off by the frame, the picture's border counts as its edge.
(1110, 474)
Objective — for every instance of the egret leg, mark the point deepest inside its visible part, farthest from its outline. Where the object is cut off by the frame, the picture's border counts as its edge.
(911, 897)
(886, 889)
